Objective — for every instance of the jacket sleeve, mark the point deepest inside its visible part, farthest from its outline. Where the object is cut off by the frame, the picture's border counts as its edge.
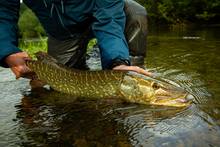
(9, 12)
(108, 28)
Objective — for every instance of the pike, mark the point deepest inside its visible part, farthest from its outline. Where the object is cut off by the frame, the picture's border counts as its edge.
(128, 86)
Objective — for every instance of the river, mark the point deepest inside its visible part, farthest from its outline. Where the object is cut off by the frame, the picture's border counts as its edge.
(188, 56)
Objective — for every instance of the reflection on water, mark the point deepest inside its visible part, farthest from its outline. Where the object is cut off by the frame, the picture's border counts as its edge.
(189, 58)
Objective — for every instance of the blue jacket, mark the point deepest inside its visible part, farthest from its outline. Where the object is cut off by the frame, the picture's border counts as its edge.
(63, 19)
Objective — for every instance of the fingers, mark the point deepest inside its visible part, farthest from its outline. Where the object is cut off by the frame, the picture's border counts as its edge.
(25, 56)
(140, 70)
(22, 54)
(20, 70)
(133, 68)
(24, 72)
(17, 63)
(16, 72)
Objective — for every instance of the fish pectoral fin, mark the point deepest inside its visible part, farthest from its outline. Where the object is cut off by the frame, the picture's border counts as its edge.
(37, 83)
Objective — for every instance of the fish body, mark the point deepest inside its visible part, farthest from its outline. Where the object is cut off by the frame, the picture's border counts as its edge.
(128, 86)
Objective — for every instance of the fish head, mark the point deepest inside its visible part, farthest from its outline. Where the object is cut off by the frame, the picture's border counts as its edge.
(147, 90)
(170, 95)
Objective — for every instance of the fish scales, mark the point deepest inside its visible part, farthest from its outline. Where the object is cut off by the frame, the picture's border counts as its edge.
(131, 87)
(79, 83)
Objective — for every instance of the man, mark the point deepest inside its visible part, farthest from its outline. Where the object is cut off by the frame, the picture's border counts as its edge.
(70, 24)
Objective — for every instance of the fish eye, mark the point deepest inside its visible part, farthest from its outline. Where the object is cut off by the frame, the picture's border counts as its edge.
(155, 85)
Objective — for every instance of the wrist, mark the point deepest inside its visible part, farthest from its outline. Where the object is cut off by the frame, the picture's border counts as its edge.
(4, 59)
(10, 60)
(118, 62)
(16, 59)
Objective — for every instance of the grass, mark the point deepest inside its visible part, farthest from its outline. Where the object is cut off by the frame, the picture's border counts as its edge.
(32, 46)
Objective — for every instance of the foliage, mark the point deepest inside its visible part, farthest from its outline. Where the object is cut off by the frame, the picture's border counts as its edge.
(91, 44)
(181, 11)
(29, 26)
(33, 46)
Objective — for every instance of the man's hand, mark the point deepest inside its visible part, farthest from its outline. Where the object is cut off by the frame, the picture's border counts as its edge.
(17, 64)
(133, 68)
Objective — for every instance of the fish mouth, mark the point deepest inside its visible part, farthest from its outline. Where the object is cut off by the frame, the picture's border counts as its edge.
(188, 98)
(169, 95)
(174, 100)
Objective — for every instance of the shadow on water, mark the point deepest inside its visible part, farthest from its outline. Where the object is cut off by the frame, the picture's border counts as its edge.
(47, 118)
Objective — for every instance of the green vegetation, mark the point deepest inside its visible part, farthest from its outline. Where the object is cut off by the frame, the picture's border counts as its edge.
(32, 47)
(182, 11)
(29, 26)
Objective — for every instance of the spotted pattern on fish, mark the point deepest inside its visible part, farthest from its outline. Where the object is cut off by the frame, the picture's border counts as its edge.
(105, 84)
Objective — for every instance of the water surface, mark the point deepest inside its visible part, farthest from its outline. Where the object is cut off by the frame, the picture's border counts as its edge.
(186, 56)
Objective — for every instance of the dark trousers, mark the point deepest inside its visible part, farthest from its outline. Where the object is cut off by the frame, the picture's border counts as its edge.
(72, 52)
